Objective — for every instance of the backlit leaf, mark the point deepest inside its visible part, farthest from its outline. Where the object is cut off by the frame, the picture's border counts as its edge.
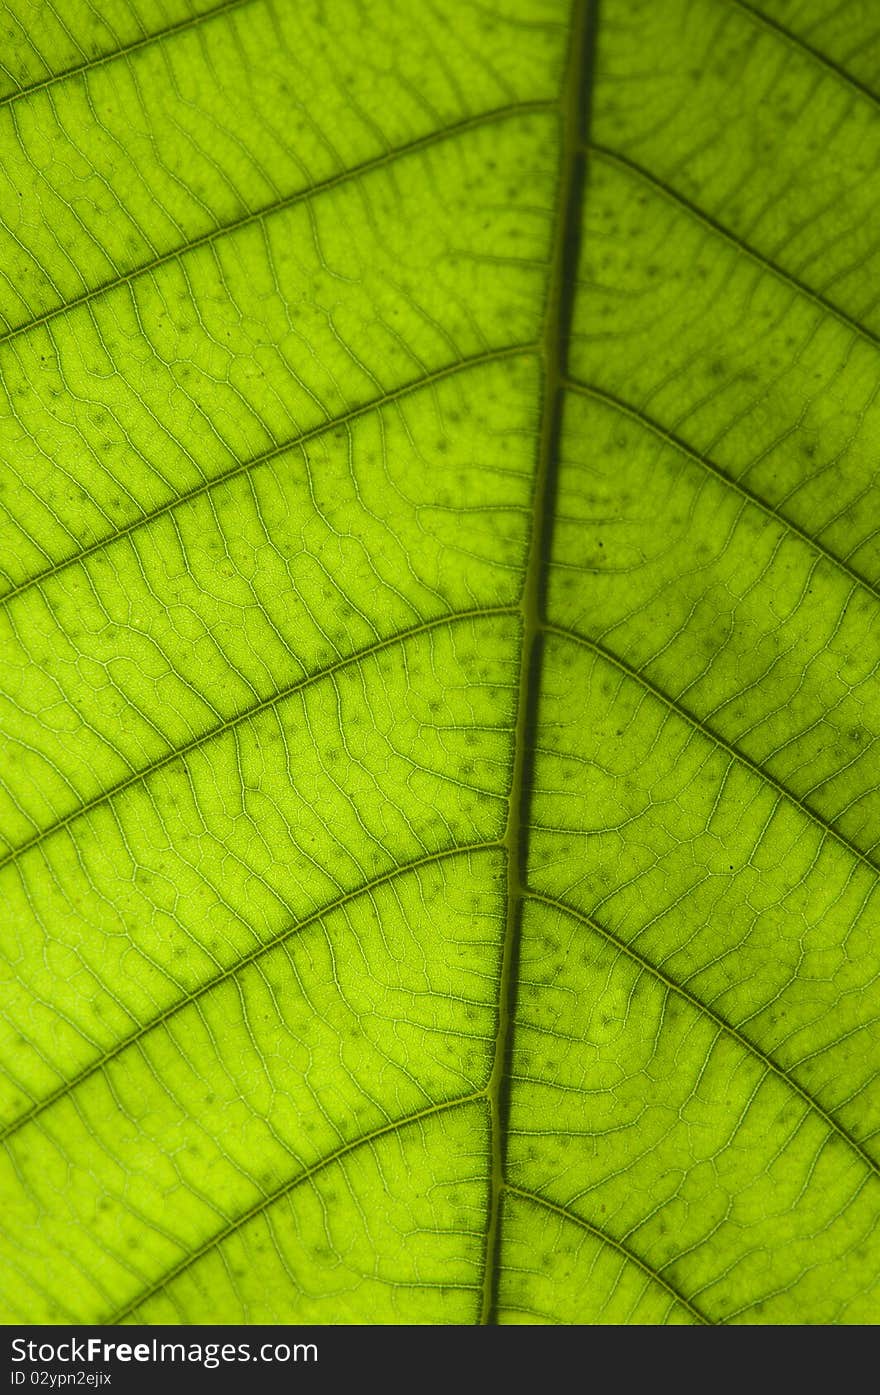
(440, 817)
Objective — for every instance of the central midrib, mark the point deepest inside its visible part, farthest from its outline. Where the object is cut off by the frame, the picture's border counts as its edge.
(574, 106)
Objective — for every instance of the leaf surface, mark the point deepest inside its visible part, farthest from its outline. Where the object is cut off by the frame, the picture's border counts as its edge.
(439, 804)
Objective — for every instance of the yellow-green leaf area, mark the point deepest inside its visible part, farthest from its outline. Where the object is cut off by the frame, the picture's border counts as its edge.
(439, 830)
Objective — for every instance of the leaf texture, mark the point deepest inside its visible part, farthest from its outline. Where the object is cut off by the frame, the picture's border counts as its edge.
(440, 825)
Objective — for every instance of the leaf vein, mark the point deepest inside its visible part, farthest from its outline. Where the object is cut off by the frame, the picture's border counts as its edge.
(602, 1235)
(280, 205)
(146, 41)
(828, 829)
(749, 495)
(244, 467)
(820, 301)
(248, 714)
(279, 1193)
(366, 888)
(720, 1021)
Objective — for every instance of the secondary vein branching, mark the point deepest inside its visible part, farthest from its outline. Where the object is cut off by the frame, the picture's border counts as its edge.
(298, 441)
(127, 50)
(280, 694)
(284, 202)
(574, 109)
(194, 996)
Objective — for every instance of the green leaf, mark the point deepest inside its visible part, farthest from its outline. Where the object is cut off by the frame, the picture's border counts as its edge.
(440, 646)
